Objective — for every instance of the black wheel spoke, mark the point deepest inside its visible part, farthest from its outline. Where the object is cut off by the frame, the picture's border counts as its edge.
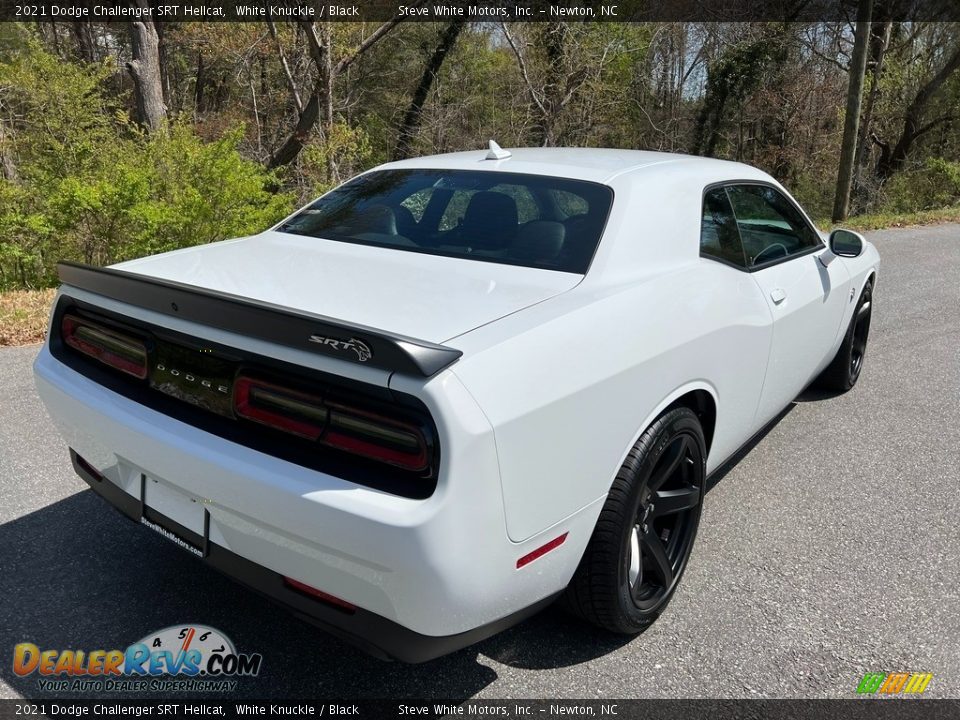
(667, 502)
(652, 547)
(669, 462)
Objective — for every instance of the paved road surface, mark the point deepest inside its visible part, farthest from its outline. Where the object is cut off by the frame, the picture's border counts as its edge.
(830, 550)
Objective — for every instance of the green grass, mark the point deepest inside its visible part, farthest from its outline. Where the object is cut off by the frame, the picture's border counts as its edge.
(880, 221)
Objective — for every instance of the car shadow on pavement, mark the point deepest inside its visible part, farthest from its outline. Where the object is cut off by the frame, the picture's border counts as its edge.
(721, 472)
(78, 575)
(812, 394)
(552, 639)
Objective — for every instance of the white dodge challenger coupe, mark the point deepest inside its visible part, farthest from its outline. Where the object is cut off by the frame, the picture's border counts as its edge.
(457, 387)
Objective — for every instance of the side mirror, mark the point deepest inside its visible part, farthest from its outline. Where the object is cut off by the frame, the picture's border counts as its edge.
(846, 243)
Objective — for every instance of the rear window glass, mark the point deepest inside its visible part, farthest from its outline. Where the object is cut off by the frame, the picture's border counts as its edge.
(530, 220)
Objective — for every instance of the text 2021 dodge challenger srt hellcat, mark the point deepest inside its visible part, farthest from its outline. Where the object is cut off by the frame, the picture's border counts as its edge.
(458, 387)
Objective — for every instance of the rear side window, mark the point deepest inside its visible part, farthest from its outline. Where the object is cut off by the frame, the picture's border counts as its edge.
(770, 226)
(531, 220)
(719, 236)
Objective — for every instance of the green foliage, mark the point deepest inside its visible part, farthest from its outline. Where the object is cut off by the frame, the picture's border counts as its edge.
(935, 185)
(346, 151)
(90, 187)
(733, 78)
(79, 180)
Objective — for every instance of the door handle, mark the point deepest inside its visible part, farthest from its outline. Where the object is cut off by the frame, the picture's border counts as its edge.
(778, 295)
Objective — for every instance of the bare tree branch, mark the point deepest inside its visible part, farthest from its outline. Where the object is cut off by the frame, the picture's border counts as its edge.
(523, 70)
(322, 95)
(286, 67)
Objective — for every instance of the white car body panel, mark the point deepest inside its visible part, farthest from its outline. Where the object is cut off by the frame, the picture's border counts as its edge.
(560, 373)
(807, 302)
(423, 296)
(586, 431)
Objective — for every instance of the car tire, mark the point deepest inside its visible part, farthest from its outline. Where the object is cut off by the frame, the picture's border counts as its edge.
(638, 552)
(844, 370)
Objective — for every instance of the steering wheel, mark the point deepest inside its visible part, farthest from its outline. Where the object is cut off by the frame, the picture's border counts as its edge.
(770, 252)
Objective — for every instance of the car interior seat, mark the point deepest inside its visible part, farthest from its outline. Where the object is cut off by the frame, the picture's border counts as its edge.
(539, 242)
(490, 221)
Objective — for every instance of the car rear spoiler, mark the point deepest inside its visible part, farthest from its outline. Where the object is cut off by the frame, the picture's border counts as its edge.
(264, 321)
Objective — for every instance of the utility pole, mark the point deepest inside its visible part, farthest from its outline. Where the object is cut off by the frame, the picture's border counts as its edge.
(851, 122)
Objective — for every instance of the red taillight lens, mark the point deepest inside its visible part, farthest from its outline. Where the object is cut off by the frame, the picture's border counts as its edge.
(284, 409)
(377, 437)
(335, 425)
(123, 352)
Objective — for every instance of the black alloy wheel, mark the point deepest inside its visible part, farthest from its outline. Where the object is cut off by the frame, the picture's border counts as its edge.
(844, 370)
(646, 530)
(665, 524)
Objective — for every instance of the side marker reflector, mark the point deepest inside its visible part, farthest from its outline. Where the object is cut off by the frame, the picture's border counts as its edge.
(541, 551)
(319, 595)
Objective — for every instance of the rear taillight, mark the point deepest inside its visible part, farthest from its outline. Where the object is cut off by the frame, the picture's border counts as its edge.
(287, 410)
(125, 353)
(344, 427)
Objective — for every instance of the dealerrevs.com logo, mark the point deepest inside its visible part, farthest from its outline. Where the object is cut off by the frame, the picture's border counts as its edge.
(189, 658)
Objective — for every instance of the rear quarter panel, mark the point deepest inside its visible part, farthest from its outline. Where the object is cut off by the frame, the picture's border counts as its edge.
(570, 385)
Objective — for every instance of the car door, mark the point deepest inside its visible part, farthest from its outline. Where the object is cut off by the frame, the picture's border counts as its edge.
(741, 317)
(807, 299)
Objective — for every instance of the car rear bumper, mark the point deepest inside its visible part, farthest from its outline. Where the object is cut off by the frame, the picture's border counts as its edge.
(426, 576)
(373, 634)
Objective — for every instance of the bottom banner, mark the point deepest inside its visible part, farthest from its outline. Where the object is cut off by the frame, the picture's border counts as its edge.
(865, 709)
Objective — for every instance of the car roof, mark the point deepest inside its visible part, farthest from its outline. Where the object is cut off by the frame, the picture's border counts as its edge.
(594, 164)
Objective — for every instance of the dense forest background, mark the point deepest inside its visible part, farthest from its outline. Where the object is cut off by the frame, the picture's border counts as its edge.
(123, 139)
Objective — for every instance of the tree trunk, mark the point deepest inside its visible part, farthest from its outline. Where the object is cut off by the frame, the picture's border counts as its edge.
(878, 49)
(321, 100)
(411, 121)
(851, 121)
(325, 80)
(894, 160)
(8, 169)
(83, 37)
(144, 68)
(199, 83)
(164, 66)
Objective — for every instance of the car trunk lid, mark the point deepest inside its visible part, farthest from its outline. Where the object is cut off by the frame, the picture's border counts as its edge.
(409, 293)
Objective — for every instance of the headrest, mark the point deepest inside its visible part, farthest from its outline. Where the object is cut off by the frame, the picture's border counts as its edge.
(375, 219)
(539, 241)
(406, 222)
(490, 221)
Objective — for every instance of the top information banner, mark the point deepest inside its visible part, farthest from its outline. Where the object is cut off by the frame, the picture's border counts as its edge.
(173, 11)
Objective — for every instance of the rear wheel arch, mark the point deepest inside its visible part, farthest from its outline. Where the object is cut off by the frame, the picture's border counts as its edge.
(697, 395)
(704, 405)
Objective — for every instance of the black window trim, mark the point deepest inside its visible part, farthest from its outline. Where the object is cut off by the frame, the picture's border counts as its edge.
(770, 263)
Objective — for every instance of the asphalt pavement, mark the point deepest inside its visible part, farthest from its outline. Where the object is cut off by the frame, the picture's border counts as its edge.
(831, 549)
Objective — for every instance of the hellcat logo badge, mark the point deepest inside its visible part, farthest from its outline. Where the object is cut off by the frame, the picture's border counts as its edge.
(358, 347)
